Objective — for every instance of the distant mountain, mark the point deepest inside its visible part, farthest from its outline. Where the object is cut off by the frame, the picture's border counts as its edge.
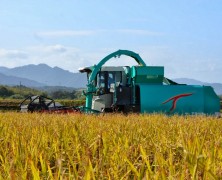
(217, 86)
(47, 75)
(3, 69)
(188, 81)
(44, 75)
(13, 81)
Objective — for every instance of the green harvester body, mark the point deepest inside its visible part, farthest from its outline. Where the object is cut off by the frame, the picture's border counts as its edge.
(144, 89)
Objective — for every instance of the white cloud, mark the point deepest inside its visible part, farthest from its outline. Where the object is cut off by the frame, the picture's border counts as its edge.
(68, 33)
(66, 57)
(13, 54)
(54, 55)
(57, 48)
(71, 58)
(80, 33)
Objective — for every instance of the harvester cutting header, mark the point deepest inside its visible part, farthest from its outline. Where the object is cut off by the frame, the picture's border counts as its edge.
(143, 89)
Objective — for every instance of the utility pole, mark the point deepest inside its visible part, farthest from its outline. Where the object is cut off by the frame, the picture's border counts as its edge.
(20, 87)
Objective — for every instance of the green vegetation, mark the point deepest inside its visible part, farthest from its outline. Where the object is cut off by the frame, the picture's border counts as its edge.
(11, 97)
(75, 102)
(10, 104)
(63, 94)
(18, 92)
(46, 146)
(21, 92)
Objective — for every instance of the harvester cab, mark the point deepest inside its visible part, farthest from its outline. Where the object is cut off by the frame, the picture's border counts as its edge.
(143, 89)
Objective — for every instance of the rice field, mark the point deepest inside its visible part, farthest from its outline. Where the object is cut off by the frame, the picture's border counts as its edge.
(113, 146)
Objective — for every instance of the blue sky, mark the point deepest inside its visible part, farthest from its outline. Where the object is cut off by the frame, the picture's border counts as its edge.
(184, 36)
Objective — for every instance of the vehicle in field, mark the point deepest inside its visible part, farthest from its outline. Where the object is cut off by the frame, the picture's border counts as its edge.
(143, 89)
(44, 104)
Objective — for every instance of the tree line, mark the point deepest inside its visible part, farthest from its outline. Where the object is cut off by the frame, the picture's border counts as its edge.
(21, 92)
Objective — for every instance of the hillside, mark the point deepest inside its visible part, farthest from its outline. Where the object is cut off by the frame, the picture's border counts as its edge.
(13, 81)
(217, 86)
(45, 75)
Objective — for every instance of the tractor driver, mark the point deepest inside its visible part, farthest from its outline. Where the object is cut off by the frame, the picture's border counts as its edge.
(111, 79)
